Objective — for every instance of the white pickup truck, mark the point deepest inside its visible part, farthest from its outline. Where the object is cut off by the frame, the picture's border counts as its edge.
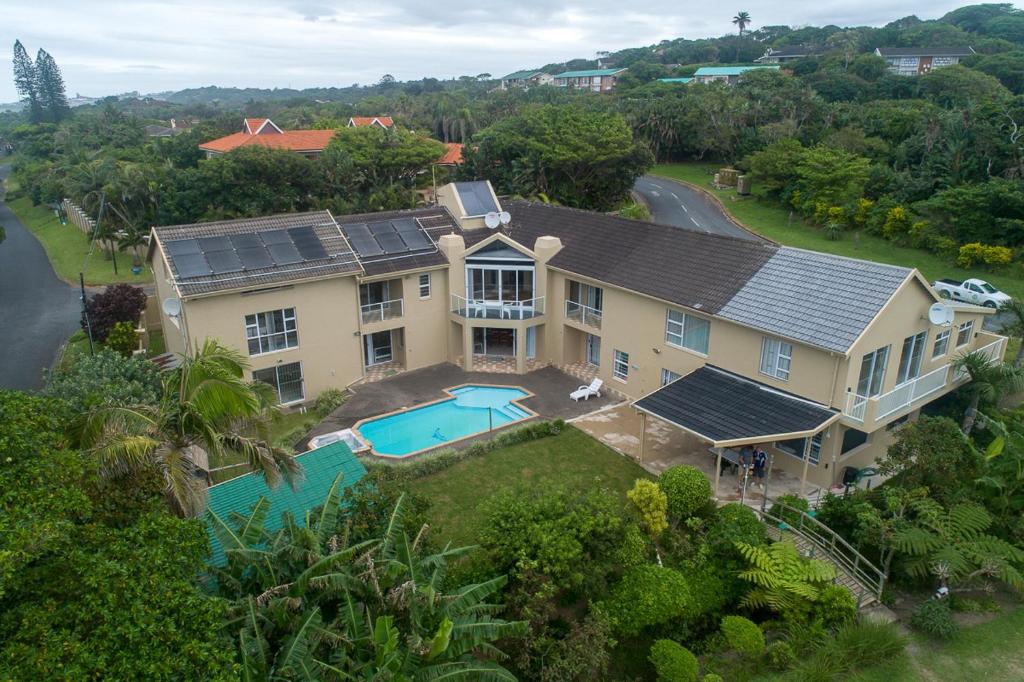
(976, 291)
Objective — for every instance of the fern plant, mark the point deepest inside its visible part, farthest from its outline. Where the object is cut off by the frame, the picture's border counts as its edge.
(782, 579)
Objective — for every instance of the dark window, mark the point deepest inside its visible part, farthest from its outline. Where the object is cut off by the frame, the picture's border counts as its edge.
(852, 438)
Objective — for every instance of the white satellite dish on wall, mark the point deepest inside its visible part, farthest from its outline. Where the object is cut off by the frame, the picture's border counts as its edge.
(940, 314)
(172, 307)
(505, 217)
(492, 220)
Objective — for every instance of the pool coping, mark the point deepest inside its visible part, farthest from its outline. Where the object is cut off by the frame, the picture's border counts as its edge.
(451, 396)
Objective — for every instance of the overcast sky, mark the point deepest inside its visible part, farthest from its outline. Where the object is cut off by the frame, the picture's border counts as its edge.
(118, 46)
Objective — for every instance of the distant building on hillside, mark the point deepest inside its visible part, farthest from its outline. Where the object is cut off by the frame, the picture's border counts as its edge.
(597, 80)
(914, 61)
(526, 79)
(726, 74)
(790, 53)
(452, 155)
(364, 121)
(262, 132)
(679, 81)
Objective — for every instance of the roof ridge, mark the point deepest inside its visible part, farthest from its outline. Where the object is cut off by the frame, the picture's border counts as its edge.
(837, 256)
(229, 221)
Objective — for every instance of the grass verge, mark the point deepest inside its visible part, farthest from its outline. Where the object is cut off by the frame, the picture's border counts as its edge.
(571, 459)
(778, 224)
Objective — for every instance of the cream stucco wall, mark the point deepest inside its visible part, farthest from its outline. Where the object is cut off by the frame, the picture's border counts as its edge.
(424, 320)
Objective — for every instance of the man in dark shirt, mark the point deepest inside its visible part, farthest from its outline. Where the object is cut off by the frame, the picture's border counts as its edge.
(760, 465)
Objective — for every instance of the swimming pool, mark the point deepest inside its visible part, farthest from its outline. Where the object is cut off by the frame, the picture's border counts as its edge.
(470, 410)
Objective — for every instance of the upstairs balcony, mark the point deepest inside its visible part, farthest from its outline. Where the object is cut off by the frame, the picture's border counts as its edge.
(485, 309)
(379, 312)
(913, 393)
(583, 314)
(381, 301)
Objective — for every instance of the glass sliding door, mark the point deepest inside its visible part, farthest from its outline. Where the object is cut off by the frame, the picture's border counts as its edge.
(494, 342)
(594, 350)
(378, 348)
(872, 372)
(910, 359)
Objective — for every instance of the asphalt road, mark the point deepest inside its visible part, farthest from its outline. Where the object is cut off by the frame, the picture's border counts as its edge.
(37, 310)
(674, 203)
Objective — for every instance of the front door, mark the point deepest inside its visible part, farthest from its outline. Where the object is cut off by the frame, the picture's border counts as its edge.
(378, 348)
(594, 350)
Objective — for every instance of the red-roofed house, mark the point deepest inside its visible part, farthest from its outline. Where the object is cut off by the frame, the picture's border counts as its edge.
(361, 121)
(452, 154)
(262, 132)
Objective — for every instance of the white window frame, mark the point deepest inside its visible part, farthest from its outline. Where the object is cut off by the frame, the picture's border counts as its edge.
(776, 358)
(421, 283)
(254, 330)
(277, 377)
(620, 365)
(675, 330)
(941, 345)
(967, 327)
(918, 342)
(668, 376)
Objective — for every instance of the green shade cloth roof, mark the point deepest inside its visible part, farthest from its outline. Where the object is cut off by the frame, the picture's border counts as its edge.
(319, 468)
(730, 70)
(674, 80)
(522, 74)
(591, 72)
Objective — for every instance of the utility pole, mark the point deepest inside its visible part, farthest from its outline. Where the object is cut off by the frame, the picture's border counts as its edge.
(85, 312)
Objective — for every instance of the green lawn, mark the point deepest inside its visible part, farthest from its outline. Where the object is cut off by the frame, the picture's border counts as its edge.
(776, 223)
(571, 459)
(67, 247)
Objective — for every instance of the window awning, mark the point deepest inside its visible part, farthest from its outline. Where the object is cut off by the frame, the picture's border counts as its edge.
(729, 410)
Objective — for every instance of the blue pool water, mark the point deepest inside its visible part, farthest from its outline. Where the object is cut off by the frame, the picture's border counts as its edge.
(474, 409)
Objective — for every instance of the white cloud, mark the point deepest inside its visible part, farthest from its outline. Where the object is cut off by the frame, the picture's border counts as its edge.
(117, 46)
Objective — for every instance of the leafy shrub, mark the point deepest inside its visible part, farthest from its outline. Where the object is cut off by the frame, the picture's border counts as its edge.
(117, 303)
(674, 662)
(866, 643)
(983, 604)
(976, 253)
(122, 338)
(934, 618)
(687, 489)
(897, 223)
(106, 378)
(636, 211)
(712, 677)
(635, 549)
(651, 505)
(648, 595)
(835, 606)
(795, 502)
(328, 401)
(734, 522)
(743, 635)
(780, 655)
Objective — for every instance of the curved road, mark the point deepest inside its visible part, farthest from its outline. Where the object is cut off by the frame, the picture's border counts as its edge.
(37, 310)
(673, 203)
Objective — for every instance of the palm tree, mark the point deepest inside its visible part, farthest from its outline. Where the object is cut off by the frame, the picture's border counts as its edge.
(989, 382)
(208, 409)
(742, 20)
(1014, 326)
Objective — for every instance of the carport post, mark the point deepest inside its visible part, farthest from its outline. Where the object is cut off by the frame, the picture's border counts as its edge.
(643, 435)
(767, 481)
(807, 461)
(718, 470)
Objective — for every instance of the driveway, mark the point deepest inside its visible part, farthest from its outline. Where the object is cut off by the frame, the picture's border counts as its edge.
(673, 203)
(38, 311)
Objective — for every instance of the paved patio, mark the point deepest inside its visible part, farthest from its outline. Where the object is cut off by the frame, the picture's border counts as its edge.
(550, 386)
(667, 445)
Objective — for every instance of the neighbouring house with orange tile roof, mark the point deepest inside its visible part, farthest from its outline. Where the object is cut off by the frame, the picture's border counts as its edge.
(452, 154)
(262, 132)
(361, 121)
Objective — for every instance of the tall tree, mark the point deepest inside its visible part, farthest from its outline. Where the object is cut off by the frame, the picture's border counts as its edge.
(1013, 325)
(26, 81)
(742, 20)
(50, 84)
(990, 381)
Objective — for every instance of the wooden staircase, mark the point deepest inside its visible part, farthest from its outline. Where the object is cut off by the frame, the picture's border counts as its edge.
(816, 540)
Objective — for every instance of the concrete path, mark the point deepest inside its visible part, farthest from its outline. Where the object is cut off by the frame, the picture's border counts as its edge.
(38, 311)
(673, 203)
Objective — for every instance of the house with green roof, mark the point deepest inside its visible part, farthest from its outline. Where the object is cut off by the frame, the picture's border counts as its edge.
(319, 467)
(726, 74)
(526, 79)
(596, 80)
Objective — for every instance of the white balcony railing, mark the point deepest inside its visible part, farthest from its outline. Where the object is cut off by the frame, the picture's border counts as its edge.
(385, 310)
(584, 314)
(856, 406)
(497, 310)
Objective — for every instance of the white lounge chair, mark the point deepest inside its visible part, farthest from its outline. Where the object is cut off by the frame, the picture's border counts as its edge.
(585, 392)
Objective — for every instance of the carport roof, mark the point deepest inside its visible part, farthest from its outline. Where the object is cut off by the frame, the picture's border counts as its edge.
(726, 409)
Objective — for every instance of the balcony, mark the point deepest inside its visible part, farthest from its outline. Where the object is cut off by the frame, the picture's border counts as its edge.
(497, 310)
(583, 314)
(385, 310)
(911, 393)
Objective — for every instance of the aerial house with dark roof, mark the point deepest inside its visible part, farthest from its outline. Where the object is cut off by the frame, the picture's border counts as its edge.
(733, 341)
(915, 61)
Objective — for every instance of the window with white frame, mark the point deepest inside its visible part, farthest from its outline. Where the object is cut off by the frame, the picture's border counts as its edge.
(668, 376)
(285, 379)
(776, 358)
(796, 447)
(964, 332)
(620, 365)
(910, 358)
(941, 343)
(425, 285)
(272, 330)
(687, 331)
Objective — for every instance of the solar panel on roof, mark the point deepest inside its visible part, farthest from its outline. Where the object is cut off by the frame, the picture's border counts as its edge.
(180, 247)
(214, 244)
(476, 197)
(275, 237)
(381, 227)
(246, 241)
(365, 245)
(255, 257)
(406, 225)
(284, 254)
(415, 240)
(307, 242)
(191, 265)
(391, 242)
(223, 261)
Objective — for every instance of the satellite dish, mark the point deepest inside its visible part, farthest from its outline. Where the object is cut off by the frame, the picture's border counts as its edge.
(505, 217)
(172, 307)
(940, 314)
(492, 220)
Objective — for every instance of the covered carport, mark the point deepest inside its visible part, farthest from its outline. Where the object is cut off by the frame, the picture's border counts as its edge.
(728, 411)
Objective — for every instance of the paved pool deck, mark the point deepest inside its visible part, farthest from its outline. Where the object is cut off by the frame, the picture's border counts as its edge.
(551, 388)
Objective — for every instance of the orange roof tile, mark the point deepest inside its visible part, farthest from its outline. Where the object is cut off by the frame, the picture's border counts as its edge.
(359, 121)
(452, 155)
(294, 140)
